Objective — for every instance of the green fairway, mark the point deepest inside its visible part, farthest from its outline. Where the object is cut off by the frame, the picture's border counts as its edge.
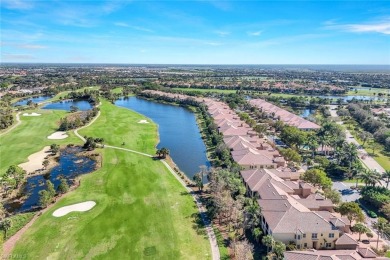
(118, 125)
(30, 137)
(142, 211)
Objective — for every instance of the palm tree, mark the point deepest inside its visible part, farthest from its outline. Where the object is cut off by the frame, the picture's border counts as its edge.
(386, 178)
(360, 228)
(6, 224)
(365, 176)
(381, 225)
(268, 241)
(164, 152)
(370, 177)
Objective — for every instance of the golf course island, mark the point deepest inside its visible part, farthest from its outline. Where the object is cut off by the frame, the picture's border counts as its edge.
(132, 207)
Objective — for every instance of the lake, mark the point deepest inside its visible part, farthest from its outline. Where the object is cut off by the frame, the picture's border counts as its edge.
(70, 166)
(178, 131)
(83, 105)
(23, 102)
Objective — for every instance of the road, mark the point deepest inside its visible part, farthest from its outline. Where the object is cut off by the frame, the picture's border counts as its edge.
(366, 159)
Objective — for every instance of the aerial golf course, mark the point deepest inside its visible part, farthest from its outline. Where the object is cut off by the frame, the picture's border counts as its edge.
(141, 212)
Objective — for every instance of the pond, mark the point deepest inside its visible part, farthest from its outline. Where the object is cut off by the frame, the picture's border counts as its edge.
(23, 102)
(70, 166)
(178, 131)
(83, 105)
(307, 112)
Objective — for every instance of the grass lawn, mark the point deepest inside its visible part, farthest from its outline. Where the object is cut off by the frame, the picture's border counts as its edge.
(368, 92)
(380, 153)
(125, 128)
(30, 137)
(117, 90)
(18, 221)
(142, 211)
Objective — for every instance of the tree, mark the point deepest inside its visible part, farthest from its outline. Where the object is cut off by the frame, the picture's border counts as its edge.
(44, 198)
(365, 136)
(63, 187)
(386, 178)
(50, 188)
(16, 173)
(278, 250)
(317, 177)
(268, 241)
(6, 224)
(293, 137)
(352, 211)
(54, 148)
(382, 225)
(90, 144)
(369, 177)
(360, 228)
(243, 250)
(3, 211)
(45, 163)
(164, 152)
(291, 155)
(385, 209)
(198, 181)
(74, 109)
(333, 195)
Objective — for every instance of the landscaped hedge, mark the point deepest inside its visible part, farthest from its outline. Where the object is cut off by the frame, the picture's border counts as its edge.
(376, 196)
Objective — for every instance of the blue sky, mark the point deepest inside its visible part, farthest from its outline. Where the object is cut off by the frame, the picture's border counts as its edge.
(196, 32)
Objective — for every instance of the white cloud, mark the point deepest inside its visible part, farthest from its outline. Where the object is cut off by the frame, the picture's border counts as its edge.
(134, 27)
(382, 27)
(17, 4)
(257, 33)
(31, 46)
(13, 57)
(222, 33)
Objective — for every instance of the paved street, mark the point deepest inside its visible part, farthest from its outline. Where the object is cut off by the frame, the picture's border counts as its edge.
(367, 160)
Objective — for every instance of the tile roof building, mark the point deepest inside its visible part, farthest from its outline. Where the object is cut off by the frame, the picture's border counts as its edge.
(283, 115)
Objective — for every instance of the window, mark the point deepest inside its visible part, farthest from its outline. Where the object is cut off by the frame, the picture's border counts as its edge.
(305, 245)
(328, 245)
(299, 237)
(314, 235)
(331, 235)
(304, 235)
(298, 247)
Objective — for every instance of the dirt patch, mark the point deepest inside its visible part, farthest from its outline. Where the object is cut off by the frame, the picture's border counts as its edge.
(35, 160)
(58, 135)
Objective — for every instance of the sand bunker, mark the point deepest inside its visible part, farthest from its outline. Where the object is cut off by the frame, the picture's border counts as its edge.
(80, 207)
(58, 135)
(35, 160)
(143, 122)
(32, 114)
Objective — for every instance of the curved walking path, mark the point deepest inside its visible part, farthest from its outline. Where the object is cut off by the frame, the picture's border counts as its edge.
(18, 122)
(90, 123)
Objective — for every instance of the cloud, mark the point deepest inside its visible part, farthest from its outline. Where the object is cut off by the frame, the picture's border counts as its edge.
(183, 40)
(257, 33)
(31, 46)
(138, 28)
(13, 56)
(382, 27)
(17, 4)
(222, 33)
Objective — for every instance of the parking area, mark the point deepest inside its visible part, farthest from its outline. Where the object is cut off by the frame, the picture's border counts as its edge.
(347, 194)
